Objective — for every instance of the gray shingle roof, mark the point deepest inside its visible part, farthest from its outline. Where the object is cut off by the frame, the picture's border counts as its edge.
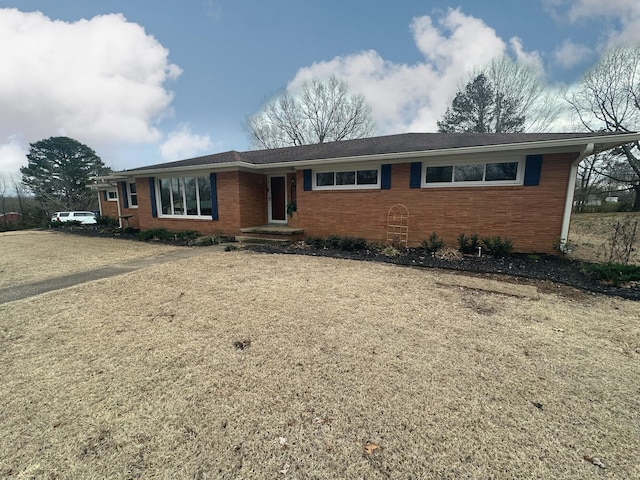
(402, 143)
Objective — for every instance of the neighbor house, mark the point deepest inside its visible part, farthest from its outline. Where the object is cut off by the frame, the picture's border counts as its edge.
(398, 188)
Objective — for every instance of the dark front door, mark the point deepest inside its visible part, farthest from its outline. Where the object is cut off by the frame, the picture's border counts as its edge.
(277, 199)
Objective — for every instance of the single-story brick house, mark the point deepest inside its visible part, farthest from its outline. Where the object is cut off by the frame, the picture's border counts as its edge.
(390, 188)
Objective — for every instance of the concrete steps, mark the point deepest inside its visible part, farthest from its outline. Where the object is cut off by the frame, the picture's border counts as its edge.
(278, 234)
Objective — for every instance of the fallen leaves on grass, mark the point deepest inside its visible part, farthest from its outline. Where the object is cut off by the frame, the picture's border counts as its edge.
(370, 448)
(595, 461)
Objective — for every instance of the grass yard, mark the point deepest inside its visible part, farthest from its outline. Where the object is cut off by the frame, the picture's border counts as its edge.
(242, 365)
(590, 235)
(32, 255)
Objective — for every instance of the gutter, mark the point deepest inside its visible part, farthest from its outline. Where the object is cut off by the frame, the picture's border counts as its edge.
(568, 204)
(542, 146)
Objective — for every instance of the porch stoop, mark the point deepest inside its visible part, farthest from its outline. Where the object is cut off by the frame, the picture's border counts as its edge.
(270, 234)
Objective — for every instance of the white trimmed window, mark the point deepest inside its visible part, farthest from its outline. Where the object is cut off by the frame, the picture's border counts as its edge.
(507, 172)
(346, 179)
(185, 196)
(133, 195)
(112, 195)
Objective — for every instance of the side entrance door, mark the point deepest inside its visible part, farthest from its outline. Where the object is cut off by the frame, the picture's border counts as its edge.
(277, 199)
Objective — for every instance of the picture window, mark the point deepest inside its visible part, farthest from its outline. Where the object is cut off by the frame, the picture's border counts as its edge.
(185, 196)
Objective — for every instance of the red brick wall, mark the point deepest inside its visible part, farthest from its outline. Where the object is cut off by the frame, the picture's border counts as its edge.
(241, 203)
(108, 208)
(531, 216)
(253, 199)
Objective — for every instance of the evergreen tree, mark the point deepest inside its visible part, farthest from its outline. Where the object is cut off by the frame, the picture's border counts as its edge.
(480, 109)
(58, 172)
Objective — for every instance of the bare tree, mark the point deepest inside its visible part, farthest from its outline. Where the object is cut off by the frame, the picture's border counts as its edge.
(322, 112)
(22, 193)
(608, 99)
(3, 201)
(504, 96)
(521, 86)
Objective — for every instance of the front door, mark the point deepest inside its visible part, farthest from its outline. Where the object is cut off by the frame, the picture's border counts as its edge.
(277, 199)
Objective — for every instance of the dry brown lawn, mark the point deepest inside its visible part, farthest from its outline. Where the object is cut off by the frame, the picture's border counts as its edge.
(32, 255)
(590, 234)
(241, 365)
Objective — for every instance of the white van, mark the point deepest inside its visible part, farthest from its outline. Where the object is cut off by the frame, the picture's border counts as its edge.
(82, 217)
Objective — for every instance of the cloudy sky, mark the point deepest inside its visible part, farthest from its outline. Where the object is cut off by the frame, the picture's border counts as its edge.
(146, 81)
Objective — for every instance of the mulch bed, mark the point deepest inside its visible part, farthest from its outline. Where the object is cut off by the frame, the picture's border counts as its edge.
(545, 270)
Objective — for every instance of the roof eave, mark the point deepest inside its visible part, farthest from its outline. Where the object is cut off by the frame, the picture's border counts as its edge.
(577, 144)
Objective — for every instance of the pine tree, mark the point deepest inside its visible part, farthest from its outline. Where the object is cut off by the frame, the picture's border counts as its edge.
(58, 172)
(480, 109)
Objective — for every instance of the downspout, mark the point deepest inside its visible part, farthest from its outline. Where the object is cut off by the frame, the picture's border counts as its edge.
(119, 211)
(568, 204)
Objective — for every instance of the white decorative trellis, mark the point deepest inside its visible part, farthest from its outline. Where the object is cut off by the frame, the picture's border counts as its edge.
(398, 225)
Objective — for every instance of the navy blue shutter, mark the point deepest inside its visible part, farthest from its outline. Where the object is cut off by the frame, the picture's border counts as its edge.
(125, 197)
(152, 195)
(306, 180)
(532, 170)
(104, 195)
(214, 195)
(385, 174)
(415, 175)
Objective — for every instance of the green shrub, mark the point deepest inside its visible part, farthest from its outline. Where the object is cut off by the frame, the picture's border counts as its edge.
(187, 234)
(130, 230)
(353, 244)
(335, 242)
(155, 234)
(68, 224)
(468, 244)
(203, 241)
(433, 244)
(316, 242)
(614, 273)
(497, 246)
(106, 221)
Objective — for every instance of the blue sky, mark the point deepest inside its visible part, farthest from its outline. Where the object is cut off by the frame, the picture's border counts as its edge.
(144, 81)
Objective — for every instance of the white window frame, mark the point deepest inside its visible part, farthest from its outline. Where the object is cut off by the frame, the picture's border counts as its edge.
(345, 168)
(481, 183)
(112, 195)
(181, 183)
(129, 194)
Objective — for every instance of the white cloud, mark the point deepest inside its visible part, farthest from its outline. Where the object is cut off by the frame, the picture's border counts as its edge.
(101, 81)
(570, 54)
(182, 143)
(530, 59)
(413, 97)
(626, 13)
(12, 156)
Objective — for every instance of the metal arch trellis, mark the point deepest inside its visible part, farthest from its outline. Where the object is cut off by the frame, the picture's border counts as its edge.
(398, 225)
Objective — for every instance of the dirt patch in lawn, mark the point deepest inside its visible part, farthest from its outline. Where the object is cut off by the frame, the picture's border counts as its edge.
(244, 365)
(35, 255)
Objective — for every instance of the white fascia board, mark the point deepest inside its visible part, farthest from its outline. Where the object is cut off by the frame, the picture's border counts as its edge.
(216, 167)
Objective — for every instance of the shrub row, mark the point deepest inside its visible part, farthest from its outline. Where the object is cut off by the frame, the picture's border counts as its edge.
(494, 246)
(334, 242)
(614, 273)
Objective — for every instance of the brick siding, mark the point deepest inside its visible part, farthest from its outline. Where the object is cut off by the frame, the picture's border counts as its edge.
(531, 216)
